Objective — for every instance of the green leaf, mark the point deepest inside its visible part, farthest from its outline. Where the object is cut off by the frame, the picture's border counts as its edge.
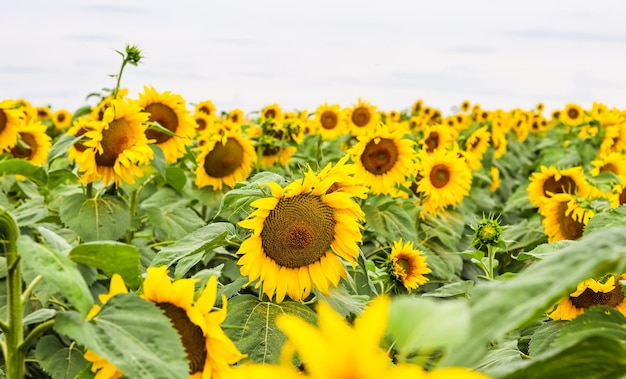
(40, 315)
(502, 354)
(251, 325)
(390, 222)
(544, 250)
(95, 219)
(198, 242)
(342, 301)
(432, 324)
(57, 270)
(111, 257)
(175, 177)
(25, 168)
(58, 360)
(603, 220)
(544, 336)
(451, 289)
(30, 212)
(501, 306)
(60, 147)
(158, 161)
(174, 223)
(596, 321)
(131, 333)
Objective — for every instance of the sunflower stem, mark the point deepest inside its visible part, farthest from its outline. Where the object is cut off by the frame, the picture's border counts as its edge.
(30, 288)
(491, 252)
(89, 190)
(37, 332)
(133, 211)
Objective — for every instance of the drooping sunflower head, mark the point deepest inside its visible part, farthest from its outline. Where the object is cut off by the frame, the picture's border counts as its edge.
(117, 145)
(572, 115)
(417, 107)
(298, 235)
(207, 107)
(362, 117)
(408, 265)
(224, 159)
(589, 293)
(170, 112)
(384, 159)
(328, 121)
(564, 217)
(204, 122)
(550, 181)
(10, 118)
(33, 142)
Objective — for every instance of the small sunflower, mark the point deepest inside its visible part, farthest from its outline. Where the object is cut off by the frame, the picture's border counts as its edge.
(78, 129)
(612, 162)
(97, 112)
(499, 142)
(445, 180)
(10, 118)
(236, 116)
(478, 142)
(614, 139)
(204, 122)
(34, 142)
(465, 105)
(62, 119)
(417, 107)
(361, 117)
(384, 159)
(224, 159)
(572, 115)
(564, 217)
(494, 174)
(272, 112)
(408, 265)
(117, 145)
(43, 112)
(298, 235)
(617, 194)
(328, 121)
(207, 107)
(589, 293)
(437, 137)
(550, 181)
(170, 112)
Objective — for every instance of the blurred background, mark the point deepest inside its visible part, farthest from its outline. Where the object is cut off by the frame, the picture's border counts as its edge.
(247, 54)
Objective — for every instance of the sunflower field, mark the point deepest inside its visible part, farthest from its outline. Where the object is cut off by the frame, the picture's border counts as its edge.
(151, 237)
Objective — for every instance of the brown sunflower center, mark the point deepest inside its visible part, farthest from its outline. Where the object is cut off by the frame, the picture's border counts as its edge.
(608, 167)
(3, 121)
(61, 117)
(115, 140)
(622, 197)
(329, 120)
(298, 231)
(361, 117)
(432, 142)
(270, 113)
(404, 266)
(224, 159)
(206, 110)
(79, 146)
(378, 158)
(439, 175)
(590, 298)
(234, 117)
(573, 113)
(200, 123)
(571, 229)
(190, 334)
(564, 184)
(25, 152)
(166, 117)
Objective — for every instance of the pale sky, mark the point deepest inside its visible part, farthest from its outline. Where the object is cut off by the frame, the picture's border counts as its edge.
(247, 54)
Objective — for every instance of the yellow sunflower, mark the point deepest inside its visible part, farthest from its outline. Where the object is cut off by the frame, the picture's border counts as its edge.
(564, 217)
(35, 143)
(417, 107)
(494, 174)
(408, 265)
(204, 122)
(224, 159)
(613, 162)
(499, 142)
(236, 116)
(614, 139)
(117, 145)
(445, 180)
(465, 105)
(384, 159)
(207, 107)
(591, 292)
(572, 115)
(10, 118)
(328, 121)
(298, 235)
(78, 128)
(170, 112)
(617, 194)
(43, 112)
(361, 118)
(97, 112)
(272, 112)
(62, 119)
(550, 181)
(478, 142)
(437, 137)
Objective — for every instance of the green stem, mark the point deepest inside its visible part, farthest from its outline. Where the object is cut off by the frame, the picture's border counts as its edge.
(13, 336)
(89, 190)
(37, 332)
(491, 252)
(30, 288)
(119, 79)
(133, 211)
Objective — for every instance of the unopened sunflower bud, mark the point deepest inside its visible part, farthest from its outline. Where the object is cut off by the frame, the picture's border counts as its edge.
(487, 232)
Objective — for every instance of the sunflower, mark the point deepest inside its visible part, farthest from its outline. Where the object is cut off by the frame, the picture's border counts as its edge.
(328, 121)
(298, 235)
(207, 107)
(10, 118)
(170, 112)
(408, 265)
(550, 181)
(62, 119)
(417, 107)
(34, 142)
(445, 180)
(617, 194)
(437, 137)
(612, 162)
(499, 142)
(591, 292)
(478, 142)
(97, 112)
(272, 112)
(614, 139)
(116, 145)
(78, 129)
(572, 115)
(204, 122)
(224, 159)
(384, 159)
(494, 174)
(564, 217)
(465, 105)
(236, 116)
(361, 117)
(43, 112)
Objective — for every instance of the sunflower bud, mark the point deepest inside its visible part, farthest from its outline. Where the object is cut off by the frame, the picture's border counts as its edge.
(487, 232)
(133, 54)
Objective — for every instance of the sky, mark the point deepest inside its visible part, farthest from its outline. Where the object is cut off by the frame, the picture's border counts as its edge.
(300, 54)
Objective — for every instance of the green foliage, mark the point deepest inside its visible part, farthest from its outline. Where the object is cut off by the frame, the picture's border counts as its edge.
(24, 168)
(111, 257)
(95, 219)
(59, 360)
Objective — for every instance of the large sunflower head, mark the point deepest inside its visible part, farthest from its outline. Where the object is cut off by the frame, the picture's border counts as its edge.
(298, 235)
(117, 145)
(362, 117)
(564, 217)
(170, 112)
(328, 121)
(33, 144)
(10, 118)
(589, 293)
(408, 265)
(224, 159)
(550, 181)
(384, 159)
(445, 180)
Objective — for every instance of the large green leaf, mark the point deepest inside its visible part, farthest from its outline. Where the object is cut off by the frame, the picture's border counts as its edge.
(251, 325)
(58, 360)
(390, 221)
(57, 270)
(598, 321)
(132, 334)
(25, 168)
(95, 219)
(501, 306)
(174, 223)
(111, 257)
